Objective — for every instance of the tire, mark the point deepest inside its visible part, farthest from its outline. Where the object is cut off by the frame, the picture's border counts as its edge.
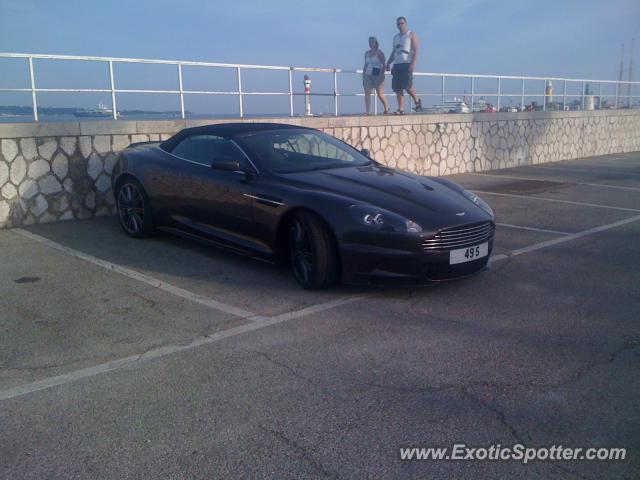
(312, 251)
(134, 211)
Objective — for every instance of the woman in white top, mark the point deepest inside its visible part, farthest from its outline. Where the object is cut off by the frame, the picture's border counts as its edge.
(373, 75)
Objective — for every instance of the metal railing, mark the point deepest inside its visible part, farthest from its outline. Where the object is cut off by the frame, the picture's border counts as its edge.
(622, 100)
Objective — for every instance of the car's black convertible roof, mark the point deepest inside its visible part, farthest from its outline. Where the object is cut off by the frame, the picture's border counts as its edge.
(225, 130)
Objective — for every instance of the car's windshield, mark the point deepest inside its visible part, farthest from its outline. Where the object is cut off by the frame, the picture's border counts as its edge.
(288, 151)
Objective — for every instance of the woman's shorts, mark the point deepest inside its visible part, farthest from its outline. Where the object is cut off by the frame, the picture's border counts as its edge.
(372, 81)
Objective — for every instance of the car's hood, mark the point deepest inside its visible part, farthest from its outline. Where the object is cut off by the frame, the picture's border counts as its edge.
(422, 199)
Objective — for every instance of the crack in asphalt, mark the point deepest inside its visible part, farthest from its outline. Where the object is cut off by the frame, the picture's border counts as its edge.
(563, 469)
(427, 389)
(464, 392)
(146, 350)
(208, 331)
(500, 414)
(33, 368)
(150, 303)
(298, 375)
(502, 417)
(301, 451)
(49, 366)
(581, 372)
(576, 376)
(464, 389)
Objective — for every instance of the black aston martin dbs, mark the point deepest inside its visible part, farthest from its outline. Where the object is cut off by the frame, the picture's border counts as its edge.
(294, 194)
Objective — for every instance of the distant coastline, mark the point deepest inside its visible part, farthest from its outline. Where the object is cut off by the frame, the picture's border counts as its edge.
(20, 114)
(27, 111)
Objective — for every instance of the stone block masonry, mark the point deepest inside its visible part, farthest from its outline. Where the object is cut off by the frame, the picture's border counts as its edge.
(61, 171)
(43, 179)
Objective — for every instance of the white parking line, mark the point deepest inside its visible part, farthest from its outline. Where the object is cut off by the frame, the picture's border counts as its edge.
(601, 185)
(567, 238)
(584, 170)
(532, 229)
(256, 324)
(141, 277)
(556, 200)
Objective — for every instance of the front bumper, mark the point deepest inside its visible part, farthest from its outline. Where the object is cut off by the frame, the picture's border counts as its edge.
(367, 264)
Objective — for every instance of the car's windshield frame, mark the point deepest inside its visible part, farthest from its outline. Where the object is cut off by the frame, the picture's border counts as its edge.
(359, 159)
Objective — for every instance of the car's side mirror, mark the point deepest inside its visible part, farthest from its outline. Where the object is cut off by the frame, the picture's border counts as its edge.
(226, 165)
(366, 152)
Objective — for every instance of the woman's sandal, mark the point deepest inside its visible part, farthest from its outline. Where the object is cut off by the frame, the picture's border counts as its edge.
(399, 112)
(386, 112)
(419, 105)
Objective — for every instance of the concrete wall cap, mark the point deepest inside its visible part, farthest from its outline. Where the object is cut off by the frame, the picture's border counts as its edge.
(126, 127)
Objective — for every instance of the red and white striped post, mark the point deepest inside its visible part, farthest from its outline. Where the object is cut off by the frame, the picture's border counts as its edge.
(307, 95)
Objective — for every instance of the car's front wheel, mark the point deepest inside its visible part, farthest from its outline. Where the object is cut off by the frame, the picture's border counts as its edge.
(314, 259)
(134, 211)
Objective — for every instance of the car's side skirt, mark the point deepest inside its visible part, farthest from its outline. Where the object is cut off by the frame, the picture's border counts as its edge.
(262, 256)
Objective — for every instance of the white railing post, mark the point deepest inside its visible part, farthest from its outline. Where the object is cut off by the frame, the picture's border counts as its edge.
(498, 103)
(182, 115)
(307, 96)
(290, 92)
(113, 91)
(583, 95)
(473, 87)
(33, 90)
(240, 105)
(600, 97)
(375, 99)
(335, 92)
(442, 93)
(564, 95)
(522, 96)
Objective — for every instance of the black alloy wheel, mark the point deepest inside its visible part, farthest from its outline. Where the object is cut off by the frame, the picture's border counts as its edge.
(312, 252)
(133, 209)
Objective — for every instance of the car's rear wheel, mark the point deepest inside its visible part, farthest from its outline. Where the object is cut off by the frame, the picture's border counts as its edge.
(134, 211)
(312, 251)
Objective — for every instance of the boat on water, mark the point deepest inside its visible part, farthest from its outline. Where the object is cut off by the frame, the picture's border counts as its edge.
(100, 111)
(482, 106)
(456, 105)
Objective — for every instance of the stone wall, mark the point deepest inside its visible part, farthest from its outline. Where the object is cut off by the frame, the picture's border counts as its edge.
(61, 171)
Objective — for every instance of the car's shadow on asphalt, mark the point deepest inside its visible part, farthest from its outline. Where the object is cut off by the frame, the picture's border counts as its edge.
(206, 270)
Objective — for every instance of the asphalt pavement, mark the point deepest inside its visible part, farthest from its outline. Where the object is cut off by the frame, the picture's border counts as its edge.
(166, 359)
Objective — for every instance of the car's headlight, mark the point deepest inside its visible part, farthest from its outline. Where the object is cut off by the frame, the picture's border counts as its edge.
(383, 219)
(478, 201)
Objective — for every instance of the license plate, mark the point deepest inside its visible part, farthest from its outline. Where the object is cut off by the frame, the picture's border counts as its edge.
(468, 254)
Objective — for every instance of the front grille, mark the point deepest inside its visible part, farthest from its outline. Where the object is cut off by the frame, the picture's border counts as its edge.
(459, 237)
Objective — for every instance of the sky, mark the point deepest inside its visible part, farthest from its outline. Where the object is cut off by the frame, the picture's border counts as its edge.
(558, 38)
